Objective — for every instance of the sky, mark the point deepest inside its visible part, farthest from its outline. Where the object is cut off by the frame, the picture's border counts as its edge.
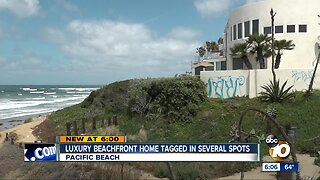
(96, 42)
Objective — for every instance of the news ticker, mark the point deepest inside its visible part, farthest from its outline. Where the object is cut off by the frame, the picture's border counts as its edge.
(115, 148)
(280, 167)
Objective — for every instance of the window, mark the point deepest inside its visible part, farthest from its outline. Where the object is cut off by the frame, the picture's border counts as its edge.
(302, 28)
(255, 26)
(267, 30)
(234, 32)
(246, 29)
(239, 30)
(237, 63)
(279, 29)
(291, 28)
(223, 65)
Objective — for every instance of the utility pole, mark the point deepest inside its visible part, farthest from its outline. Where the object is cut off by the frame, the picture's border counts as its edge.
(272, 44)
(309, 91)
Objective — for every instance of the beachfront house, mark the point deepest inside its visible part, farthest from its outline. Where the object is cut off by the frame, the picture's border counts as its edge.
(296, 20)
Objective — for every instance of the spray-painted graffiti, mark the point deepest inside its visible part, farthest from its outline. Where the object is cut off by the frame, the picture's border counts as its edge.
(226, 86)
(302, 76)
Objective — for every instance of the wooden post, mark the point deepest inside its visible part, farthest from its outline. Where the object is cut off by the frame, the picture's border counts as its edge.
(83, 126)
(102, 122)
(109, 121)
(7, 137)
(291, 131)
(68, 128)
(94, 127)
(122, 164)
(169, 165)
(75, 128)
(115, 120)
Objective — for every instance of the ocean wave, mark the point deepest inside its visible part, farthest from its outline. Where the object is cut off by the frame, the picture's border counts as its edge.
(20, 104)
(36, 102)
(78, 89)
(21, 114)
(19, 94)
(36, 92)
(26, 112)
(28, 89)
(49, 93)
(37, 98)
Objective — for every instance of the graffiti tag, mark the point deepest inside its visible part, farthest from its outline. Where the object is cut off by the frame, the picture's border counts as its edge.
(302, 75)
(225, 86)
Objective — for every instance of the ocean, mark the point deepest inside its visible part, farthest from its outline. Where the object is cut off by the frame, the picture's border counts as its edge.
(18, 103)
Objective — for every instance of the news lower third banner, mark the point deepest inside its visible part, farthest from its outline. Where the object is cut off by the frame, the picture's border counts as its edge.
(158, 152)
(115, 148)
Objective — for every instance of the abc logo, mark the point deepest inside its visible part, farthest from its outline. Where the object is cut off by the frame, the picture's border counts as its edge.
(279, 149)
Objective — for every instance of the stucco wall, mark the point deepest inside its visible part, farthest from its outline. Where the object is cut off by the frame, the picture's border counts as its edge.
(226, 84)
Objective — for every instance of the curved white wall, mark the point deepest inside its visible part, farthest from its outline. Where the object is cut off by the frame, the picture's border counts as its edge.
(289, 12)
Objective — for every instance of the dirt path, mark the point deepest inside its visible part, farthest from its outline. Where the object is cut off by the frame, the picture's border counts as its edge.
(306, 166)
(23, 131)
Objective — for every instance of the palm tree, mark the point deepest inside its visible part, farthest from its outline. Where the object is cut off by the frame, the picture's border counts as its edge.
(280, 46)
(259, 44)
(241, 50)
(201, 51)
(212, 46)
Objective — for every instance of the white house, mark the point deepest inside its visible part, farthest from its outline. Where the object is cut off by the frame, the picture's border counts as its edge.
(296, 20)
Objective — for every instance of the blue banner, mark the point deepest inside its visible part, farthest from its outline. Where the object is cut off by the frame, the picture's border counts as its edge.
(40, 152)
(158, 148)
(289, 167)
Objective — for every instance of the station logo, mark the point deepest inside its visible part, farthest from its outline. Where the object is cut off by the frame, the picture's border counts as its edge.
(40, 152)
(279, 149)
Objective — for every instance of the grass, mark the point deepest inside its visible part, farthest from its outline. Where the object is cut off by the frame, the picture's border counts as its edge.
(212, 124)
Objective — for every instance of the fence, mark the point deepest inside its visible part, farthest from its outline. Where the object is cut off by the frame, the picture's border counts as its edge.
(228, 84)
(72, 125)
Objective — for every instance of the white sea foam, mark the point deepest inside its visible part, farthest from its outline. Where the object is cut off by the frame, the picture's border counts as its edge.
(28, 89)
(78, 89)
(36, 102)
(20, 104)
(20, 114)
(49, 93)
(36, 92)
(38, 98)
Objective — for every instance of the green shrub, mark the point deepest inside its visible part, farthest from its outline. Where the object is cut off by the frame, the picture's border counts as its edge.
(273, 92)
(161, 171)
(176, 99)
(317, 161)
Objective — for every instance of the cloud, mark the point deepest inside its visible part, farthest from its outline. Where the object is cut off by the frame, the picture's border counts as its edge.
(21, 8)
(184, 33)
(212, 8)
(130, 48)
(252, 1)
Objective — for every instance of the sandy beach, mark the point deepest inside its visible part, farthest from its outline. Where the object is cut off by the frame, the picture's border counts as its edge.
(24, 131)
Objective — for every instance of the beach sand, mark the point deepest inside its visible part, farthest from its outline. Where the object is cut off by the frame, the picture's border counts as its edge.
(24, 131)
